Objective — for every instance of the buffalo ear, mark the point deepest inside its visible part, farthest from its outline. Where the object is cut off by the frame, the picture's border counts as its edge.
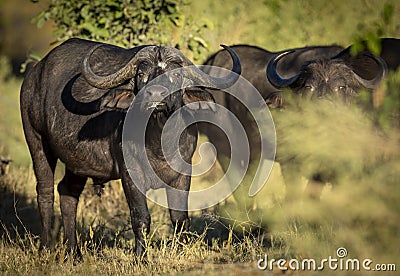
(363, 63)
(117, 100)
(196, 99)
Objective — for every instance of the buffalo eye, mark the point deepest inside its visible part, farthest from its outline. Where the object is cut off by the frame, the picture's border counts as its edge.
(309, 88)
(340, 88)
(140, 75)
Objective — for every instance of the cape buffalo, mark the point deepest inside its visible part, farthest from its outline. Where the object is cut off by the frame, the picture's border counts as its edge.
(337, 78)
(73, 106)
(342, 75)
(318, 72)
(254, 61)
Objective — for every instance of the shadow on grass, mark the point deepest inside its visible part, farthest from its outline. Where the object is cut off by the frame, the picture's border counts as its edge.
(18, 212)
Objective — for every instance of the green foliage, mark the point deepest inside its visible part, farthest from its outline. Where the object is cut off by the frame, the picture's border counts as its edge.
(388, 111)
(32, 58)
(384, 102)
(372, 32)
(126, 23)
(355, 150)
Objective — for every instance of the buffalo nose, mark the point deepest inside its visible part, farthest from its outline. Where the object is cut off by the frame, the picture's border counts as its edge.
(157, 90)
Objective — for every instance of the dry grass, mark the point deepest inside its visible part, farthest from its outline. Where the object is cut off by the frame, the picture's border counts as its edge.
(106, 239)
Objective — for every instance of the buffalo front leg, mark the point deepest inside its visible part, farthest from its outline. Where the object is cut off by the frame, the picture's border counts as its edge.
(140, 216)
(70, 188)
(177, 197)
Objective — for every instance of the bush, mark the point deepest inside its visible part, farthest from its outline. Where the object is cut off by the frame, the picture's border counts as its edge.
(127, 23)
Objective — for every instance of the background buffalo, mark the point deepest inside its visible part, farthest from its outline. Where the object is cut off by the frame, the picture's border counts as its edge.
(317, 72)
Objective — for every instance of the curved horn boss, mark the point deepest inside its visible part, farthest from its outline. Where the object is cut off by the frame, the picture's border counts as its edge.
(128, 71)
(272, 73)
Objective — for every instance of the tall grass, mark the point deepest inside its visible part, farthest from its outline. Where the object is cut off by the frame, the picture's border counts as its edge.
(355, 149)
(106, 238)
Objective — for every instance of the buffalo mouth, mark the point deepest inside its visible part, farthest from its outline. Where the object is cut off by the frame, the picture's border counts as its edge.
(156, 106)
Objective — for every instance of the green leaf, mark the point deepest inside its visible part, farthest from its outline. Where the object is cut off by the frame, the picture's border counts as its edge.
(171, 9)
(356, 47)
(118, 14)
(58, 32)
(387, 13)
(85, 11)
(113, 3)
(89, 27)
(40, 22)
(373, 43)
(102, 32)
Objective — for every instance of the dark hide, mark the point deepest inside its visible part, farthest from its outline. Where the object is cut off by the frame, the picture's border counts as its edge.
(390, 53)
(71, 112)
